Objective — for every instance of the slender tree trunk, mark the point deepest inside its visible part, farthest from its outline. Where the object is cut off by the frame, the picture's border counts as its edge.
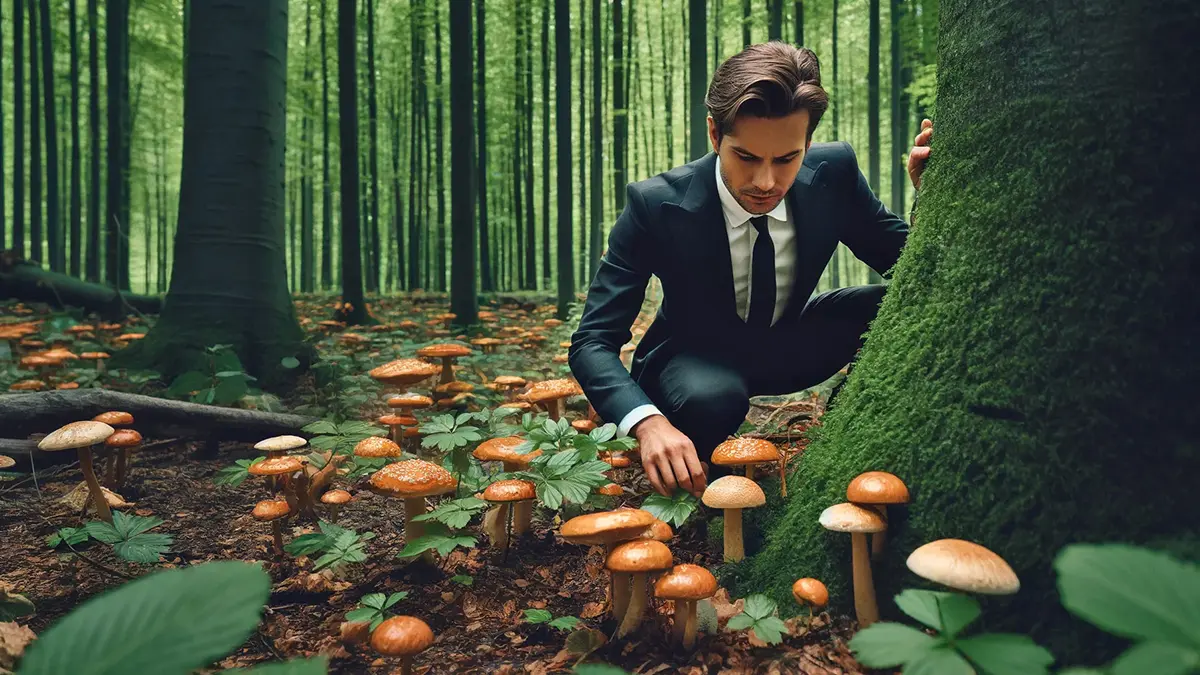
(229, 283)
(161, 190)
(775, 19)
(620, 111)
(57, 251)
(652, 158)
(426, 179)
(531, 276)
(668, 70)
(116, 202)
(486, 271)
(698, 81)
(440, 188)
(18, 218)
(518, 173)
(899, 97)
(3, 215)
(581, 256)
(836, 93)
(92, 260)
(873, 96)
(307, 276)
(414, 245)
(372, 273)
(798, 11)
(562, 101)
(546, 172)
(716, 35)
(747, 15)
(76, 183)
(597, 153)
(36, 236)
(464, 300)
(326, 183)
(353, 309)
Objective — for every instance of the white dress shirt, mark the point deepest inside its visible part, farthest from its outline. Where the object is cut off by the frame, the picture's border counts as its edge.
(742, 236)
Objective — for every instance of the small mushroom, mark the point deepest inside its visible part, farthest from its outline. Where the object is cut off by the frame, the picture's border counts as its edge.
(551, 395)
(964, 566)
(610, 490)
(504, 493)
(859, 522)
(877, 488)
(503, 449)
(412, 481)
(123, 442)
(608, 528)
(583, 426)
(81, 436)
(273, 511)
(658, 531)
(373, 447)
(335, 499)
(733, 493)
(403, 636)
(98, 357)
(276, 446)
(7, 462)
(639, 557)
(395, 425)
(810, 593)
(745, 452)
(447, 352)
(278, 466)
(685, 584)
(403, 372)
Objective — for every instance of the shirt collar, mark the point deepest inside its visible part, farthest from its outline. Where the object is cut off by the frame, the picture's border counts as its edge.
(737, 216)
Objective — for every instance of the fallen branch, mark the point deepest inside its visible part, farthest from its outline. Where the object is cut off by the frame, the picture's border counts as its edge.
(45, 411)
(28, 282)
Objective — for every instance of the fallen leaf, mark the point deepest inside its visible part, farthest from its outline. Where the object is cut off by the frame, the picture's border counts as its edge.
(447, 596)
(521, 583)
(13, 640)
(474, 626)
(537, 604)
(591, 609)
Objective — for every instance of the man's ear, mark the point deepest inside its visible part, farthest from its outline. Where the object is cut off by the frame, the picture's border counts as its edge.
(713, 138)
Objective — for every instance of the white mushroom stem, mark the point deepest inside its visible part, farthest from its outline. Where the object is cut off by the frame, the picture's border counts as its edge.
(123, 461)
(864, 587)
(494, 525)
(678, 631)
(413, 507)
(637, 605)
(879, 539)
(89, 475)
(619, 587)
(689, 630)
(733, 535)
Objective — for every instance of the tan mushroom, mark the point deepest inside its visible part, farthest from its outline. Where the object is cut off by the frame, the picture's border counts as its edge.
(859, 522)
(609, 528)
(447, 352)
(403, 636)
(503, 493)
(746, 452)
(273, 511)
(551, 395)
(685, 584)
(335, 499)
(403, 372)
(810, 593)
(412, 481)
(373, 447)
(276, 446)
(122, 442)
(733, 493)
(964, 566)
(81, 436)
(396, 424)
(639, 557)
(503, 449)
(878, 489)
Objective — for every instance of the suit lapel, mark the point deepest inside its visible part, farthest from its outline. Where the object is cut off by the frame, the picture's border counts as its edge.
(709, 237)
(807, 202)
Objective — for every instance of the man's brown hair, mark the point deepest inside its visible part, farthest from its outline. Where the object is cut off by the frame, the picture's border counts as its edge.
(770, 79)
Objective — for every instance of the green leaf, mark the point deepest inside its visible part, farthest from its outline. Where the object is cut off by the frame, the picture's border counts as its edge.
(565, 623)
(739, 622)
(1132, 592)
(144, 548)
(318, 665)
(455, 513)
(598, 668)
(68, 535)
(13, 605)
(229, 390)
(167, 623)
(770, 630)
(463, 579)
(320, 427)
(307, 544)
(394, 598)
(128, 526)
(537, 616)
(187, 382)
(887, 645)
(585, 641)
(675, 509)
(233, 476)
(1160, 658)
(375, 600)
(947, 613)
(289, 362)
(603, 433)
(942, 660)
(758, 606)
(1083, 671)
(1006, 654)
(441, 541)
(364, 614)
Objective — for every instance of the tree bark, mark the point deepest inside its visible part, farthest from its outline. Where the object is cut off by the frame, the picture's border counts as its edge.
(698, 145)
(18, 217)
(597, 153)
(562, 130)
(229, 282)
(354, 307)
(486, 272)
(798, 21)
(326, 183)
(57, 251)
(774, 19)
(373, 151)
(36, 235)
(92, 260)
(546, 124)
(620, 111)
(76, 208)
(836, 92)
(531, 275)
(899, 100)
(1037, 339)
(463, 299)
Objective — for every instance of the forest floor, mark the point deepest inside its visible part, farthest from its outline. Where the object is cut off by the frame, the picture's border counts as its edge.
(473, 599)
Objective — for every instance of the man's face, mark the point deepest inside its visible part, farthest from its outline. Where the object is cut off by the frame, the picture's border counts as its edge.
(760, 157)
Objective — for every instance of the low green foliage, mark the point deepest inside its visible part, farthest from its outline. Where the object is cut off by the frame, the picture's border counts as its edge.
(455, 513)
(235, 475)
(537, 616)
(339, 545)
(130, 538)
(170, 622)
(436, 538)
(339, 437)
(758, 615)
(13, 605)
(463, 580)
(565, 477)
(675, 509)
(67, 535)
(373, 607)
(222, 382)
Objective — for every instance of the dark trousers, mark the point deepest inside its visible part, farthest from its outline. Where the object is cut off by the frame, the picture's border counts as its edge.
(707, 397)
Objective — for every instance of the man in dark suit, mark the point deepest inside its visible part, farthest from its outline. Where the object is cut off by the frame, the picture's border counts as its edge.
(738, 239)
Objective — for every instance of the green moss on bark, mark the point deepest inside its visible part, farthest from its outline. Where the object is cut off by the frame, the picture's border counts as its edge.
(1033, 372)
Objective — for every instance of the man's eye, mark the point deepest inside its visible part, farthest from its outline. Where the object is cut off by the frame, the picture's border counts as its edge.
(745, 158)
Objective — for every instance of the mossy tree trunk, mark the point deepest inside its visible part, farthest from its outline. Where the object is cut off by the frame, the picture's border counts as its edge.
(229, 279)
(1032, 372)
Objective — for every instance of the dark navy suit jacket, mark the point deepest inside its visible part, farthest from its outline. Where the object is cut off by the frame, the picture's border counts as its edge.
(673, 227)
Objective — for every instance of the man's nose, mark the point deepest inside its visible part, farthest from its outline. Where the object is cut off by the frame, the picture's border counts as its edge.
(764, 180)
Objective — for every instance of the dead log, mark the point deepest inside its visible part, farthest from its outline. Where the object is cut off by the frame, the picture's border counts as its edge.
(27, 282)
(44, 411)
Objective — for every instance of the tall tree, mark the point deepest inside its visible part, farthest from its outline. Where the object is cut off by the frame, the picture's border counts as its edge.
(597, 153)
(439, 188)
(873, 141)
(839, 100)
(36, 236)
(307, 275)
(562, 131)
(546, 140)
(353, 308)
(697, 82)
(117, 192)
(747, 17)
(92, 261)
(899, 101)
(372, 274)
(518, 167)
(798, 21)
(463, 297)
(57, 252)
(531, 277)
(582, 255)
(620, 110)
(76, 183)
(326, 183)
(668, 75)
(961, 379)
(486, 271)
(229, 282)
(3, 218)
(774, 19)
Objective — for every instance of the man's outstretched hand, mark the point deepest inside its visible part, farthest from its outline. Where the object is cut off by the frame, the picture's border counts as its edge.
(919, 155)
(669, 458)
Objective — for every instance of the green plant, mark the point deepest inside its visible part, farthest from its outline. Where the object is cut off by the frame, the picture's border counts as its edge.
(463, 579)
(222, 382)
(758, 614)
(129, 537)
(374, 607)
(235, 475)
(339, 545)
(13, 605)
(339, 437)
(438, 538)
(674, 509)
(537, 616)
(170, 622)
(567, 476)
(455, 513)
(67, 535)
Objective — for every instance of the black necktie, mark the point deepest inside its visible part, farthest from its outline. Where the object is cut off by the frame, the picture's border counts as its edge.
(762, 277)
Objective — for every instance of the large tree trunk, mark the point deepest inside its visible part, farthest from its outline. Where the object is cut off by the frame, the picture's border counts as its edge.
(307, 276)
(229, 282)
(1032, 372)
(117, 198)
(597, 152)
(620, 111)
(18, 217)
(835, 92)
(326, 183)
(463, 299)
(92, 261)
(531, 277)
(353, 309)
(76, 182)
(562, 131)
(36, 236)
(2, 155)
(698, 144)
(486, 273)
(373, 151)
(439, 250)
(899, 100)
(774, 19)
(798, 14)
(546, 124)
(582, 255)
(56, 250)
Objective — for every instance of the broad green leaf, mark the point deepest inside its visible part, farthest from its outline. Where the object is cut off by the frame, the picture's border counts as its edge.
(289, 362)
(67, 535)
(463, 579)
(230, 373)
(187, 382)
(537, 616)
(549, 495)
(585, 641)
(947, 613)
(230, 390)
(364, 614)
(320, 427)
(739, 622)
(442, 543)
(674, 510)
(327, 560)
(167, 623)
(1160, 658)
(599, 669)
(565, 623)
(307, 544)
(603, 433)
(394, 598)
(887, 644)
(129, 526)
(318, 665)
(143, 548)
(375, 600)
(13, 605)
(1132, 592)
(1006, 654)
(759, 606)
(770, 629)
(942, 660)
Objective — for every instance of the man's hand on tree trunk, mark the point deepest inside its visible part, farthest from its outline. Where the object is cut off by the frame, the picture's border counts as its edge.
(669, 457)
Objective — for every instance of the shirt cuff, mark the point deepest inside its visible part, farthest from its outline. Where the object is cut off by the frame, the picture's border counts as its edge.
(634, 416)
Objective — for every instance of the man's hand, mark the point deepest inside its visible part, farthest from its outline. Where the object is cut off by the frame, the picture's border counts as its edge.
(919, 155)
(668, 457)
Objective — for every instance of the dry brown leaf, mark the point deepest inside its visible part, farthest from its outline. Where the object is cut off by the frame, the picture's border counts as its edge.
(470, 606)
(537, 604)
(591, 609)
(725, 609)
(521, 583)
(13, 640)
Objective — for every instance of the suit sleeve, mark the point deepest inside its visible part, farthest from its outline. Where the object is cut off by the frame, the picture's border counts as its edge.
(613, 302)
(874, 234)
